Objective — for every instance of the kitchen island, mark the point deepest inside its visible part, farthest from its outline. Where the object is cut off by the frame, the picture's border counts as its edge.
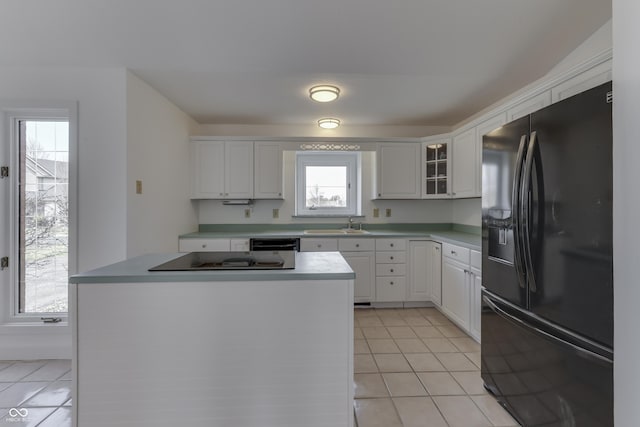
(215, 348)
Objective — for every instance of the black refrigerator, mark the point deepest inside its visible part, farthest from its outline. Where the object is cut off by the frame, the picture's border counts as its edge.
(547, 266)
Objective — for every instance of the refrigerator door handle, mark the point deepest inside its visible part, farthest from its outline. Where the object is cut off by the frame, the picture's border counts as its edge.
(524, 211)
(582, 351)
(515, 217)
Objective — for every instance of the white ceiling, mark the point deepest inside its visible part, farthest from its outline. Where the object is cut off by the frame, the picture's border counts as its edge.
(405, 62)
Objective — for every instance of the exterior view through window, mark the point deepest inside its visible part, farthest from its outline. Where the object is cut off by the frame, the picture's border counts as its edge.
(326, 186)
(43, 229)
(327, 183)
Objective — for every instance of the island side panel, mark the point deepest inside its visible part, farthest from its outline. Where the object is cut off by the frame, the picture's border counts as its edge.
(251, 354)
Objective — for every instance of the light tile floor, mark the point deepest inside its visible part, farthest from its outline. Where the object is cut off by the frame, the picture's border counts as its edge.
(415, 368)
(35, 393)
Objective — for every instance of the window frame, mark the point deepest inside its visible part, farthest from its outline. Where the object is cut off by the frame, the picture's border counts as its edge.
(351, 160)
(12, 114)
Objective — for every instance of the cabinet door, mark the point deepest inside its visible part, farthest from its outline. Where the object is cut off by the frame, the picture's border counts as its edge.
(584, 81)
(398, 171)
(436, 169)
(419, 271)
(475, 282)
(318, 245)
(238, 170)
(207, 167)
(435, 265)
(465, 164)
(362, 264)
(268, 170)
(455, 292)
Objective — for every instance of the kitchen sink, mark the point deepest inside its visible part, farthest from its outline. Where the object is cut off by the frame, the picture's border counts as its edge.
(336, 231)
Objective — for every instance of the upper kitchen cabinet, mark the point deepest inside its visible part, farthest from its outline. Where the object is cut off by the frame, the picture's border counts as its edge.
(268, 170)
(465, 164)
(529, 105)
(436, 169)
(398, 171)
(584, 81)
(222, 169)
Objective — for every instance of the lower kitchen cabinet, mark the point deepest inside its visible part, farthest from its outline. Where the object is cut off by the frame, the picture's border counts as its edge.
(424, 271)
(360, 256)
(204, 245)
(455, 291)
(462, 287)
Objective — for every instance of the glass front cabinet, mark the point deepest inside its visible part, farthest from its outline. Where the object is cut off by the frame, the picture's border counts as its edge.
(436, 169)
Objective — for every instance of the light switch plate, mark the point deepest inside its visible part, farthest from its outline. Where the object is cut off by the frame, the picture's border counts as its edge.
(388, 212)
(376, 212)
(138, 187)
(247, 213)
(276, 213)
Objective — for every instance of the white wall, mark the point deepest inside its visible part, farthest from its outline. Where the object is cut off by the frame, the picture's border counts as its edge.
(158, 155)
(405, 211)
(100, 96)
(599, 41)
(626, 206)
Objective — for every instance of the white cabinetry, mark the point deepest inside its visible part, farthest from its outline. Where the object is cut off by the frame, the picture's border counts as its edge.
(424, 281)
(398, 171)
(359, 254)
(475, 290)
(240, 245)
(589, 79)
(435, 266)
(465, 164)
(455, 291)
(436, 169)
(391, 263)
(268, 170)
(461, 287)
(204, 245)
(318, 245)
(222, 169)
(529, 105)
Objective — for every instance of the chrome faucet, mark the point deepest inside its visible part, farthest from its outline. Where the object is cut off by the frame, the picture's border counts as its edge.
(350, 225)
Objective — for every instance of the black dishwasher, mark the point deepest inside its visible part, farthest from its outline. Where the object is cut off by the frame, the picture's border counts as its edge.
(275, 244)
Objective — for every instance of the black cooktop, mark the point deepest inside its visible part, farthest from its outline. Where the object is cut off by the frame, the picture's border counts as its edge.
(260, 260)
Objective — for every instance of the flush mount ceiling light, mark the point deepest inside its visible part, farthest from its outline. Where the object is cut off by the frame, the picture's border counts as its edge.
(324, 93)
(328, 123)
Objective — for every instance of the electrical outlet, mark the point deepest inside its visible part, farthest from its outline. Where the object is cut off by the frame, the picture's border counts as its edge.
(376, 212)
(388, 212)
(247, 213)
(276, 213)
(138, 187)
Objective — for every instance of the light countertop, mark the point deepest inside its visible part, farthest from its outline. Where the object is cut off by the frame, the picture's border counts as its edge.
(309, 266)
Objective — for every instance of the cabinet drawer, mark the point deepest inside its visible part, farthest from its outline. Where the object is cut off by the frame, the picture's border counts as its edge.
(240, 245)
(391, 257)
(456, 252)
(318, 245)
(390, 289)
(391, 244)
(356, 245)
(476, 259)
(203, 245)
(391, 269)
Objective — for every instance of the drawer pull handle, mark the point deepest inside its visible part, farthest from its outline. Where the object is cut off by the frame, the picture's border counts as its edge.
(391, 257)
(391, 283)
(204, 246)
(319, 246)
(453, 252)
(357, 245)
(391, 270)
(391, 245)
